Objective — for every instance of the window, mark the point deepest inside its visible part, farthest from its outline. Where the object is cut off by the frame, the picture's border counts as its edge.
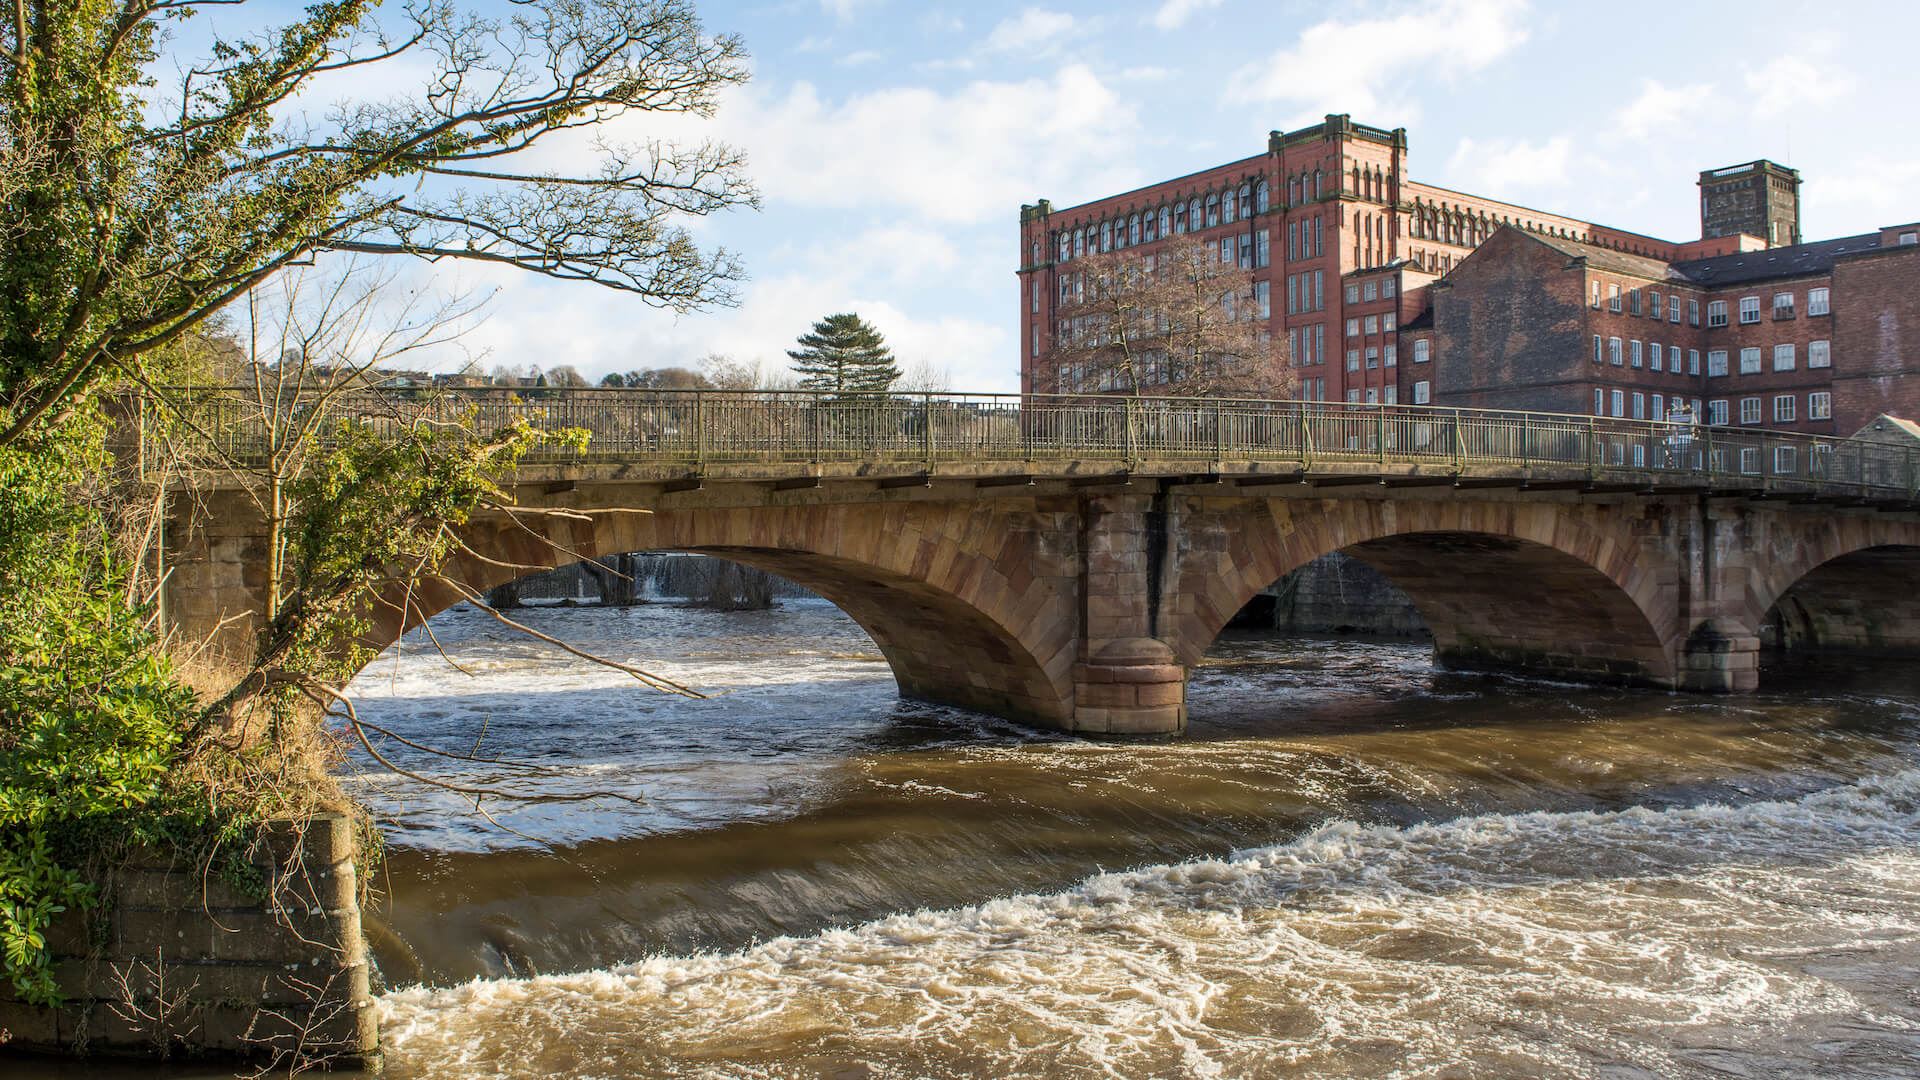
(1820, 405)
(1613, 299)
(1293, 241)
(1179, 218)
(1353, 294)
(1370, 291)
(1373, 324)
(1636, 353)
(1393, 356)
(1390, 395)
(1353, 359)
(1750, 410)
(1717, 413)
(1750, 360)
(1263, 296)
(1819, 353)
(1783, 408)
(1262, 250)
(1320, 344)
(1716, 362)
(1420, 351)
(1387, 322)
(1673, 308)
(1909, 238)
(1166, 221)
(1717, 313)
(1246, 252)
(1596, 295)
(1260, 197)
(1293, 294)
(1319, 279)
(1213, 209)
(1639, 406)
(1693, 313)
(1599, 357)
(1749, 310)
(1599, 402)
(1633, 302)
(1783, 357)
(1659, 411)
(1246, 199)
(1785, 461)
(1783, 305)
(1613, 352)
(1693, 363)
(1619, 403)
(1373, 396)
(1353, 397)
(1388, 287)
(1817, 301)
(1654, 307)
(1656, 357)
(1422, 392)
(1750, 460)
(1353, 327)
(1373, 357)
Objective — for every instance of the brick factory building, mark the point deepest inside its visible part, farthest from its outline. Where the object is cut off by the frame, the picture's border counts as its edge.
(1388, 290)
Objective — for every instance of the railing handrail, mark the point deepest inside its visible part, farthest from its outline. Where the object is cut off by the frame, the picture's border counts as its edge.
(710, 424)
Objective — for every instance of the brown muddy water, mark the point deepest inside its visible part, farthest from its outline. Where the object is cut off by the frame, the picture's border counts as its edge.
(1353, 866)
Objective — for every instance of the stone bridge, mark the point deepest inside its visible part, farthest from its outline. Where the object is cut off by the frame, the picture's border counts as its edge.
(1072, 578)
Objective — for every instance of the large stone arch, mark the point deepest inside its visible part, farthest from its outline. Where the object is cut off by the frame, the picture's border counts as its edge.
(1848, 582)
(972, 605)
(1546, 587)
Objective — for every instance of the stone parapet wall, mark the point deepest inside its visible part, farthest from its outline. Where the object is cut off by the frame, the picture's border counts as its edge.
(174, 962)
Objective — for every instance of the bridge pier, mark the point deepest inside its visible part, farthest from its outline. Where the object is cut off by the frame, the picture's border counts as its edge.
(1127, 681)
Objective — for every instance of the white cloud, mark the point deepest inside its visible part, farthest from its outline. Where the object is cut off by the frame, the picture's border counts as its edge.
(1035, 31)
(1352, 67)
(1500, 166)
(1663, 110)
(970, 155)
(859, 57)
(844, 9)
(1146, 73)
(1173, 14)
(1796, 83)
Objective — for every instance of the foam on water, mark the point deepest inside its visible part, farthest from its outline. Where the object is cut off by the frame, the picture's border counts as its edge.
(1770, 938)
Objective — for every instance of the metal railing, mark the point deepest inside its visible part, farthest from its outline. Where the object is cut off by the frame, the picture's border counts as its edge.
(710, 427)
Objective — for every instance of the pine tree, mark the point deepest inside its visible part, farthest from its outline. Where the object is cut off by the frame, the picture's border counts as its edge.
(846, 355)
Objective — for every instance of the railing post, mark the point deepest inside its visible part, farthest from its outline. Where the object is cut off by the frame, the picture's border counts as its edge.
(1380, 431)
(1219, 437)
(1593, 448)
(699, 428)
(926, 421)
(1459, 444)
(1526, 441)
(1706, 458)
(1306, 439)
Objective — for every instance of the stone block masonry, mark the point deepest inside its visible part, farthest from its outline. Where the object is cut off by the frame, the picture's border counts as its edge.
(176, 963)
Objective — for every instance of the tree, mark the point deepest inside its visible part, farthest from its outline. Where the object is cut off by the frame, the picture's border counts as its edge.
(566, 375)
(1179, 318)
(140, 196)
(846, 355)
(727, 373)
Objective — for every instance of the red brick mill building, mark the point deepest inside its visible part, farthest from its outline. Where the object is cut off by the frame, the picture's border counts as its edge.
(1389, 290)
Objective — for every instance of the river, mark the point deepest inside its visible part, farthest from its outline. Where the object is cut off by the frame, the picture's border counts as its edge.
(1352, 866)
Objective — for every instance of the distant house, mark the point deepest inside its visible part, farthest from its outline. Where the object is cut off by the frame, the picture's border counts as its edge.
(1901, 463)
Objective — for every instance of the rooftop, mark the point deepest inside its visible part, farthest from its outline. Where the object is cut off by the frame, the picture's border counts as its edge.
(1780, 262)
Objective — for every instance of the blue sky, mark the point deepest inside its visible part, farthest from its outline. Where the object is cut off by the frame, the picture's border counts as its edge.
(894, 142)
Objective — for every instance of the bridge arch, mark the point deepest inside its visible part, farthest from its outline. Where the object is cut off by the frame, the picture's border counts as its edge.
(1851, 586)
(1551, 588)
(967, 603)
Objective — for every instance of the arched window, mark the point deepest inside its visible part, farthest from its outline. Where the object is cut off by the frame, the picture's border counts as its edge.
(1293, 191)
(1316, 183)
(1106, 236)
(1179, 218)
(1166, 221)
(1133, 229)
(1246, 200)
(1079, 242)
(1226, 207)
(1194, 220)
(1066, 247)
(1260, 197)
